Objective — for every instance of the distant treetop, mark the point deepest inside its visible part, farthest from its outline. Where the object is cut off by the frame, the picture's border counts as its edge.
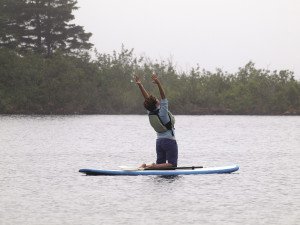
(41, 26)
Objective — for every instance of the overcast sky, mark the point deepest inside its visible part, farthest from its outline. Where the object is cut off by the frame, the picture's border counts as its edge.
(212, 33)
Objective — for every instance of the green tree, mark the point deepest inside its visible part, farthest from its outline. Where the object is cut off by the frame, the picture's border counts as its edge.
(42, 26)
(64, 84)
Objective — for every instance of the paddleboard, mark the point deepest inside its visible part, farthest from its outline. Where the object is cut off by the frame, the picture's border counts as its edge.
(194, 171)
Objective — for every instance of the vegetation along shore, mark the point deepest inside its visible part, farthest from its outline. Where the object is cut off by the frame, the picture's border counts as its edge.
(46, 68)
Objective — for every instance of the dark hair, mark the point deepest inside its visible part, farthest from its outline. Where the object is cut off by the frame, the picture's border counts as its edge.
(150, 103)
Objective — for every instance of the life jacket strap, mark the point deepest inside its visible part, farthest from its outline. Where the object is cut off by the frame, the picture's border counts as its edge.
(168, 125)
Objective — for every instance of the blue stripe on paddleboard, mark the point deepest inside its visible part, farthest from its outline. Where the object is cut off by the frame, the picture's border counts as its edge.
(208, 170)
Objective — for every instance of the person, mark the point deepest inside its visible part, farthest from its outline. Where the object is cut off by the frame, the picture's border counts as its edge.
(162, 122)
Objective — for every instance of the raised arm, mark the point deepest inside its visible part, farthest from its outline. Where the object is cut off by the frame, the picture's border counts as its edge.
(161, 90)
(143, 90)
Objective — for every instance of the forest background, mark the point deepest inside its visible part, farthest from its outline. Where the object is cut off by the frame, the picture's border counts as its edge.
(47, 67)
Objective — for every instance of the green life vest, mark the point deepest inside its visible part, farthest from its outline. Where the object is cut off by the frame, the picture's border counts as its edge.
(158, 125)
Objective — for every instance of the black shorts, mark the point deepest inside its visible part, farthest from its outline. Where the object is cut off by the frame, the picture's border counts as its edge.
(167, 151)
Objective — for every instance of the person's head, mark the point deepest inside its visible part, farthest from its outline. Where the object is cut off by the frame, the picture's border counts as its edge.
(151, 103)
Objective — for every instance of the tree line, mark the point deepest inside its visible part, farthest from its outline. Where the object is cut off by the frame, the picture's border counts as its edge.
(45, 68)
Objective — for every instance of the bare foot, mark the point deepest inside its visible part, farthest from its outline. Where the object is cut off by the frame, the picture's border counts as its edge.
(143, 165)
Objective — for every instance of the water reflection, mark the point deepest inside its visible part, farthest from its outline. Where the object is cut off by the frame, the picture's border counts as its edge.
(167, 179)
(52, 149)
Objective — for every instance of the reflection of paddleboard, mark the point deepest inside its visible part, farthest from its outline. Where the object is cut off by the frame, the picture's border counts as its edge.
(164, 172)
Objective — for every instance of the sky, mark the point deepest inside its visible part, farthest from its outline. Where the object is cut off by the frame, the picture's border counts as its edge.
(224, 34)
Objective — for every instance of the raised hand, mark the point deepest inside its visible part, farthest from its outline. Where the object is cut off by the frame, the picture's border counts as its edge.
(155, 78)
(139, 83)
(156, 81)
(137, 79)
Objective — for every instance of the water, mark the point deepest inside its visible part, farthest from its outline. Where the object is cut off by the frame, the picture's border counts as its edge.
(40, 158)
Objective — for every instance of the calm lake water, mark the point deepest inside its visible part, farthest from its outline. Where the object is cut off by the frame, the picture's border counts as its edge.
(40, 157)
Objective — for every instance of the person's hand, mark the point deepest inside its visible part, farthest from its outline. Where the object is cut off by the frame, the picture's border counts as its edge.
(155, 78)
(137, 79)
